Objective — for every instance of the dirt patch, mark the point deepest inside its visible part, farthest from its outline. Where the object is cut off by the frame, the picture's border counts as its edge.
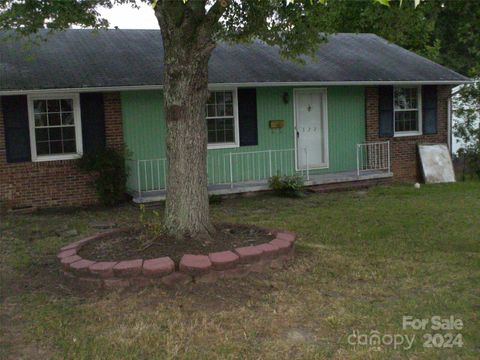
(138, 243)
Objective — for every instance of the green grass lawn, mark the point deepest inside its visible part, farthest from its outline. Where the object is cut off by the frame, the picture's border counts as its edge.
(364, 260)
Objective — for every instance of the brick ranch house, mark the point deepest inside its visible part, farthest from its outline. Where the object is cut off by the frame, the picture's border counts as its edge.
(355, 113)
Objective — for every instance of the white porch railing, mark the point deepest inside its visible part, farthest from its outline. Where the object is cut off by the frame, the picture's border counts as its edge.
(223, 168)
(232, 168)
(374, 156)
(257, 165)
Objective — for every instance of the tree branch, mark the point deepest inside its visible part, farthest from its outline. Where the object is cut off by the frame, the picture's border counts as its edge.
(210, 24)
(216, 11)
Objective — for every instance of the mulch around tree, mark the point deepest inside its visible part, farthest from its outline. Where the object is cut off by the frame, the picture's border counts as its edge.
(138, 243)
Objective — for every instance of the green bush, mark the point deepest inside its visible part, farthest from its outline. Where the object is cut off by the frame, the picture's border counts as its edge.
(109, 171)
(470, 159)
(291, 186)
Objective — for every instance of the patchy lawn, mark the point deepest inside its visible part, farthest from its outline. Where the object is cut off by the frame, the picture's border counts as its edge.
(364, 260)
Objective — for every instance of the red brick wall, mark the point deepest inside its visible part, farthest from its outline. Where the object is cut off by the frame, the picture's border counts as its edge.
(404, 153)
(55, 183)
(113, 120)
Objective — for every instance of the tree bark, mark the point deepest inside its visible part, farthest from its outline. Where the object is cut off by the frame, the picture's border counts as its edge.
(188, 44)
(185, 93)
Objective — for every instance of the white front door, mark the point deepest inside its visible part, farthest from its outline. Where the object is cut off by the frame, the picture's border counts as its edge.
(311, 128)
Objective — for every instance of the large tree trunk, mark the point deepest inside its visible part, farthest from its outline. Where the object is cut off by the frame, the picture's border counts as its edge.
(185, 92)
(188, 47)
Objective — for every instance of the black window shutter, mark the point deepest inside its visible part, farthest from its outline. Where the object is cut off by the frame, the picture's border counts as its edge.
(247, 116)
(385, 110)
(429, 109)
(17, 134)
(93, 121)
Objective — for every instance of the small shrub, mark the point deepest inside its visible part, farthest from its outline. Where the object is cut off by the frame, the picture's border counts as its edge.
(151, 223)
(108, 168)
(291, 186)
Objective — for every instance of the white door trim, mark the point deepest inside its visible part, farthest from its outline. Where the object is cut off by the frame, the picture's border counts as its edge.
(323, 92)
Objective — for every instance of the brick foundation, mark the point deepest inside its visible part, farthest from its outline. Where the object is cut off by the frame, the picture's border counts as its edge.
(54, 183)
(404, 153)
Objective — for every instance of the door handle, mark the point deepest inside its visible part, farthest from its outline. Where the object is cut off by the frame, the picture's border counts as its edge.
(298, 134)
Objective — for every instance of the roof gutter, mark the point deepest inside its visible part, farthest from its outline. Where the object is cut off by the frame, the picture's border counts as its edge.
(227, 85)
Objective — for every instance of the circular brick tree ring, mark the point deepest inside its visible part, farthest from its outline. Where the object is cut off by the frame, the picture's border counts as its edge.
(233, 263)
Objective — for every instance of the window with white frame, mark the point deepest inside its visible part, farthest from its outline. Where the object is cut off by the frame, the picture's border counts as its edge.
(407, 114)
(220, 114)
(55, 128)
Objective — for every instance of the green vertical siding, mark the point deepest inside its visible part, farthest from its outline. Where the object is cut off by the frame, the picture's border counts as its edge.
(144, 131)
(144, 134)
(144, 124)
(270, 106)
(346, 126)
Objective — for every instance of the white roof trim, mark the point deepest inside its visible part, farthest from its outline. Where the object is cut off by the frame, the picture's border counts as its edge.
(230, 85)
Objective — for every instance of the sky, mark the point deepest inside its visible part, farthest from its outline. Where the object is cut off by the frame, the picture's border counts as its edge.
(125, 17)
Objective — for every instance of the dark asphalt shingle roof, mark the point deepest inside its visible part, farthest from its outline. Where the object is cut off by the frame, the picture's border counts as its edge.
(107, 58)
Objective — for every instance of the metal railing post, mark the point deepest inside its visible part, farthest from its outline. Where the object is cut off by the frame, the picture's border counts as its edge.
(388, 154)
(308, 167)
(377, 156)
(146, 175)
(165, 173)
(158, 174)
(243, 172)
(139, 180)
(152, 177)
(231, 171)
(213, 169)
(270, 161)
(358, 159)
